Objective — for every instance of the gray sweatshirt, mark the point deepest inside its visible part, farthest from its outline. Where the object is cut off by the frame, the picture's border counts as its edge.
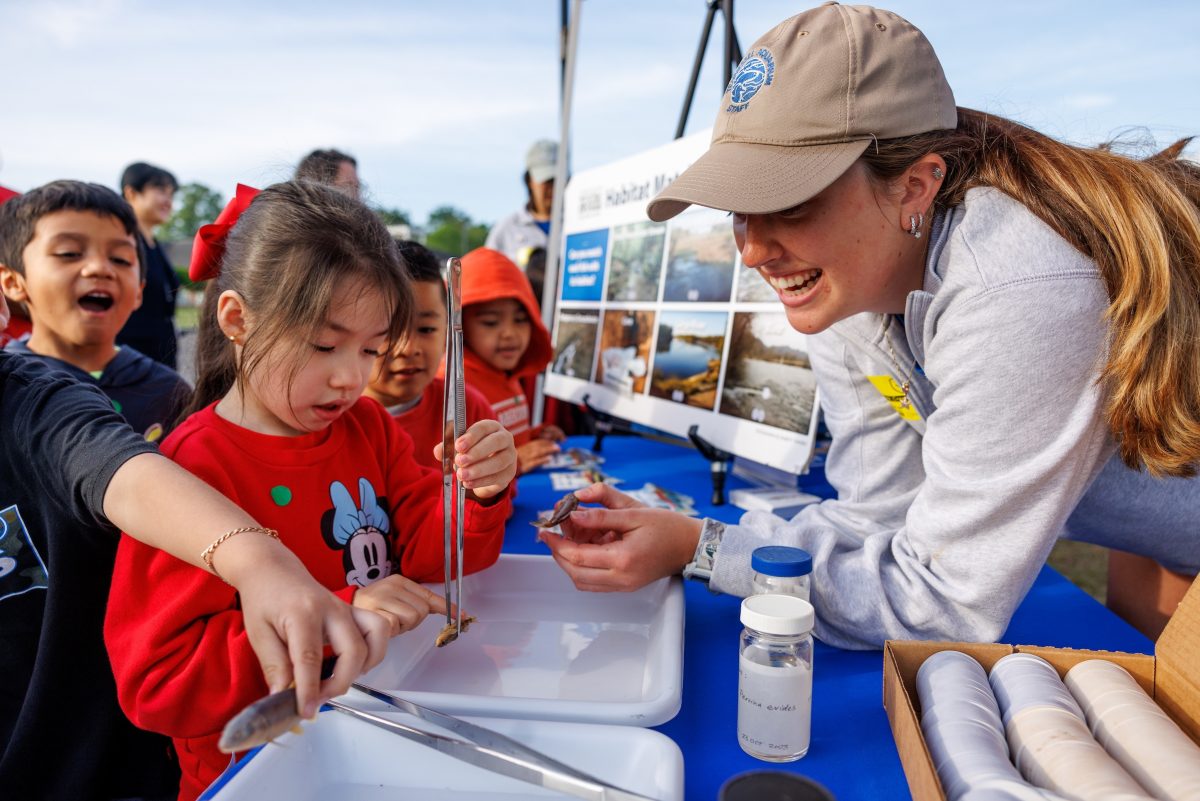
(942, 523)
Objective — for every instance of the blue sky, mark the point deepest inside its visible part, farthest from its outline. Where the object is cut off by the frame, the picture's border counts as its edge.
(439, 100)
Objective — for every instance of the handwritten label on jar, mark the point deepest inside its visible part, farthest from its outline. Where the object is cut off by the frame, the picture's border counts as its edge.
(774, 709)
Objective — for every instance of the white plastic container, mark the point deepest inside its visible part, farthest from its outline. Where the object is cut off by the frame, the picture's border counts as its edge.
(775, 677)
(543, 650)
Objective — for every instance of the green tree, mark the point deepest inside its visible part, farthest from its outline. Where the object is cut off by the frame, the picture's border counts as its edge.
(394, 216)
(451, 230)
(195, 205)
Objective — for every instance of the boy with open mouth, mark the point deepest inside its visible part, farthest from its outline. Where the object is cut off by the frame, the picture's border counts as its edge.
(73, 260)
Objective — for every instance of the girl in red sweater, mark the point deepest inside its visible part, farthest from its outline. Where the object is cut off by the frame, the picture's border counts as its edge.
(306, 290)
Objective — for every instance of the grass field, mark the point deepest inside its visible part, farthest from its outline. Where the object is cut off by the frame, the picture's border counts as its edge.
(1084, 564)
(186, 316)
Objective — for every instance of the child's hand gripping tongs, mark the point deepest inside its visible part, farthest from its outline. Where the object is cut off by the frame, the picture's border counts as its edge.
(454, 420)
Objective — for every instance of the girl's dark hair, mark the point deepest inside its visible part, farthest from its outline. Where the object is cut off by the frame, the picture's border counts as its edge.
(139, 175)
(19, 216)
(1139, 220)
(291, 249)
(422, 263)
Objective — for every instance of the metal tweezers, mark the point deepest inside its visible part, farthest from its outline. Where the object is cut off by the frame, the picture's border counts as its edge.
(486, 749)
(454, 420)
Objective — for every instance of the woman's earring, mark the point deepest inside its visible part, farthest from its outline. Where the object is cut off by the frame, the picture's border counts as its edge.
(937, 173)
(915, 221)
(233, 339)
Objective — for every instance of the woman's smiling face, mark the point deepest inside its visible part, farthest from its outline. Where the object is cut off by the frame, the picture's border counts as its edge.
(838, 254)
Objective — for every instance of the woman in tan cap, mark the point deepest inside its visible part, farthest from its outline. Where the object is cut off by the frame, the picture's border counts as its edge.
(1007, 342)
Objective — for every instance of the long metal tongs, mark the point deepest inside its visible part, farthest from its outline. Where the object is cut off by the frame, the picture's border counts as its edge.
(487, 749)
(454, 420)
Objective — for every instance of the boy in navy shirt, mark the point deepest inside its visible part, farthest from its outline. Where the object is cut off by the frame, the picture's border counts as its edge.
(69, 253)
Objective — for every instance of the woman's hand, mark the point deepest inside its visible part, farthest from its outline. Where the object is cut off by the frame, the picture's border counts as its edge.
(402, 602)
(485, 457)
(534, 454)
(624, 546)
(289, 618)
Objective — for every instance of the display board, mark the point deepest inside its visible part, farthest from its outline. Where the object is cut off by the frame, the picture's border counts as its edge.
(659, 324)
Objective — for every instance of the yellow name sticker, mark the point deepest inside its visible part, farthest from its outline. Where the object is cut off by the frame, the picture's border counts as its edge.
(893, 393)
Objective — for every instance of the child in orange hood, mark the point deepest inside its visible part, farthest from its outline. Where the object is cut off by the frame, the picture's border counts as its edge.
(505, 341)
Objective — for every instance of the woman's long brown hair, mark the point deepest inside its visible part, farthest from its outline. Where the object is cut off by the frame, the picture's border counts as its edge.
(1139, 220)
(295, 244)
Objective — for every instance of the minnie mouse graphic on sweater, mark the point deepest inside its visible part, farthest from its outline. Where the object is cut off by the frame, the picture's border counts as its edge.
(360, 532)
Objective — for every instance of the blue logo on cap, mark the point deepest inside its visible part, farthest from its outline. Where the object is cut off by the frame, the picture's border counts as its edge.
(756, 71)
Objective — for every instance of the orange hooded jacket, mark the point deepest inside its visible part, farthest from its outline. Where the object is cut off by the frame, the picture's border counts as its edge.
(489, 275)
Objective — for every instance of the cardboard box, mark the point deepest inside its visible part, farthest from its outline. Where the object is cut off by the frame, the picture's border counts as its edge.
(1171, 677)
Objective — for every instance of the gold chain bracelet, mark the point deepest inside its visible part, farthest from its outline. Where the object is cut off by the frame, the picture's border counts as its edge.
(207, 554)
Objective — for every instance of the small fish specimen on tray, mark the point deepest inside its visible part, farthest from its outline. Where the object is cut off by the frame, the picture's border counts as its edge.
(448, 634)
(562, 510)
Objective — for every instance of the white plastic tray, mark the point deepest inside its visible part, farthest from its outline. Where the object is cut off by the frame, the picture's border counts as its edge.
(338, 758)
(543, 650)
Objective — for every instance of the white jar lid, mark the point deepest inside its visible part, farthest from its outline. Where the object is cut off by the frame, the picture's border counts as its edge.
(778, 614)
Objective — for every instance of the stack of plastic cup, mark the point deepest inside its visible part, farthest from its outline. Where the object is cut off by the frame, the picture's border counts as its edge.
(1135, 731)
(962, 723)
(1048, 735)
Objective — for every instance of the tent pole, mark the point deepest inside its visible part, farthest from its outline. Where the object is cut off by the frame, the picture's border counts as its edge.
(554, 250)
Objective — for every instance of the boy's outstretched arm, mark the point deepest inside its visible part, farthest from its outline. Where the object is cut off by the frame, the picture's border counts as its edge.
(288, 615)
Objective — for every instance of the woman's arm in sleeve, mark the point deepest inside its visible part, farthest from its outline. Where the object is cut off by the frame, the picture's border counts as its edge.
(1015, 440)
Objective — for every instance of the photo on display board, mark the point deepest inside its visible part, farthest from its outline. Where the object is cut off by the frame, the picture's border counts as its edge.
(636, 261)
(769, 378)
(625, 351)
(575, 343)
(753, 288)
(585, 255)
(701, 255)
(687, 357)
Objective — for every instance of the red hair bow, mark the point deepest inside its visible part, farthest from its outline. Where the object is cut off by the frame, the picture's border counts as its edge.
(209, 246)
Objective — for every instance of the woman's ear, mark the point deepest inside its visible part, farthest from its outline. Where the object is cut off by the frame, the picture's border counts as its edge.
(919, 185)
(231, 316)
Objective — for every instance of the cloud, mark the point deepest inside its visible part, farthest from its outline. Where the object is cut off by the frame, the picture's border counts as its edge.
(440, 101)
(1092, 100)
(68, 24)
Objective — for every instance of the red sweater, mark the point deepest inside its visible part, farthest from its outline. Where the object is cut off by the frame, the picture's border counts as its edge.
(424, 423)
(490, 275)
(175, 633)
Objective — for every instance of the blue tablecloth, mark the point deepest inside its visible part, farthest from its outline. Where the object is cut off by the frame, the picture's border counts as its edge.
(852, 751)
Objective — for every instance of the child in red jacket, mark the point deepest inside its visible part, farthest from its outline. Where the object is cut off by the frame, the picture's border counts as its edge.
(406, 379)
(505, 341)
(304, 295)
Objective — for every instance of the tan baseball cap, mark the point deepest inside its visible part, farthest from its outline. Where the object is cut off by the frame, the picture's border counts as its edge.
(803, 105)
